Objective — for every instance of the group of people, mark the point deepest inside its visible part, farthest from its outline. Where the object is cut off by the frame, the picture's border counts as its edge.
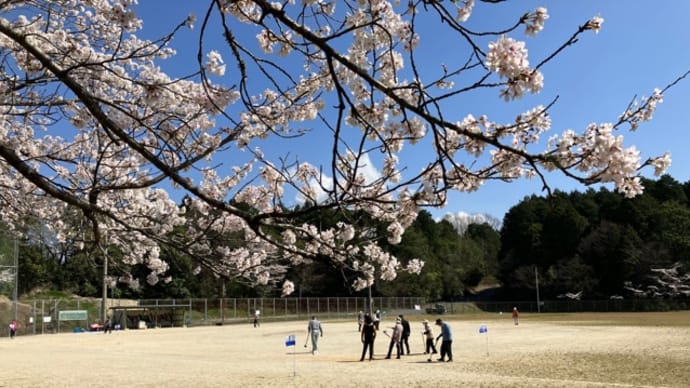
(368, 327)
(399, 337)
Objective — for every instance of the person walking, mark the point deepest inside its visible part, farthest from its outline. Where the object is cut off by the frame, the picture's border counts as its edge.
(395, 339)
(404, 339)
(13, 329)
(516, 316)
(257, 315)
(447, 340)
(314, 329)
(368, 335)
(429, 335)
(107, 327)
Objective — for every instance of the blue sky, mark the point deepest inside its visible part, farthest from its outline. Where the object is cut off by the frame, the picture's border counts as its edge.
(642, 45)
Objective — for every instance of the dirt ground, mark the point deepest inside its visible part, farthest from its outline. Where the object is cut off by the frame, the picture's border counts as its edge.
(537, 353)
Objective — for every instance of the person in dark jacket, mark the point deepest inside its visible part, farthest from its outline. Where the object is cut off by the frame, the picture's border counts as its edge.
(108, 327)
(368, 335)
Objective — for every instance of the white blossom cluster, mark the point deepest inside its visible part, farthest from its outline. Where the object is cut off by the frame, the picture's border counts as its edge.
(535, 21)
(508, 58)
(94, 127)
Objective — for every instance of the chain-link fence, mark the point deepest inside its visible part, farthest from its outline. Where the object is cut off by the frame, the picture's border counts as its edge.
(47, 316)
(572, 306)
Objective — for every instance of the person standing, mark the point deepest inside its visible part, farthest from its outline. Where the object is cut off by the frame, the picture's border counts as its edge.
(315, 330)
(257, 314)
(404, 339)
(368, 335)
(447, 340)
(395, 339)
(360, 320)
(429, 335)
(13, 329)
(107, 327)
(516, 316)
(377, 319)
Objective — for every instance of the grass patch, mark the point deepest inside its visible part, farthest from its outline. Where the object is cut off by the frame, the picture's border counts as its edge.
(650, 319)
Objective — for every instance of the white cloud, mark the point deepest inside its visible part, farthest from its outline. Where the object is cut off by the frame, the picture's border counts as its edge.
(462, 220)
(365, 167)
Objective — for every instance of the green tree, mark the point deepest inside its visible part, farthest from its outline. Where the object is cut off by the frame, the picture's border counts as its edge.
(489, 241)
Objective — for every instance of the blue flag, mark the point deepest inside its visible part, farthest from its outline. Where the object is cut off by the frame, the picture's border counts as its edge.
(290, 340)
(483, 329)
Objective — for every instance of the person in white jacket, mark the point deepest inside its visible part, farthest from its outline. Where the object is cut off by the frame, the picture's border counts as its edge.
(395, 339)
(429, 335)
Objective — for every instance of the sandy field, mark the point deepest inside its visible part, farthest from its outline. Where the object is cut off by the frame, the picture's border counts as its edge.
(585, 352)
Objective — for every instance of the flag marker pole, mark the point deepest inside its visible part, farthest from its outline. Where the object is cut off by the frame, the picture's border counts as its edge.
(483, 329)
(291, 341)
(487, 344)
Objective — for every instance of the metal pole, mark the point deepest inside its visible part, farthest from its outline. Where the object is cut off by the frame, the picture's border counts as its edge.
(16, 278)
(536, 279)
(33, 313)
(104, 299)
(222, 296)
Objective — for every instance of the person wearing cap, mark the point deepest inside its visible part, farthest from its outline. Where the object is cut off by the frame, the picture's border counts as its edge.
(447, 342)
(404, 343)
(429, 335)
(395, 339)
(314, 329)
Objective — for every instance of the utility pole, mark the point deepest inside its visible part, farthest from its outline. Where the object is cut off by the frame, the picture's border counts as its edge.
(104, 302)
(536, 280)
(16, 279)
(222, 298)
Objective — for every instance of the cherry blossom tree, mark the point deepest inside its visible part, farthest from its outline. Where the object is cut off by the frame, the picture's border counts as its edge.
(92, 123)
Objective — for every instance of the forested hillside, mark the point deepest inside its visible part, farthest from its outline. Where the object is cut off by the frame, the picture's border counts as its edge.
(600, 244)
(594, 244)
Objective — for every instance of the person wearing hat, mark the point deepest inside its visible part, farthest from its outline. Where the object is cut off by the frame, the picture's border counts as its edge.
(429, 335)
(447, 343)
(404, 343)
(395, 339)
